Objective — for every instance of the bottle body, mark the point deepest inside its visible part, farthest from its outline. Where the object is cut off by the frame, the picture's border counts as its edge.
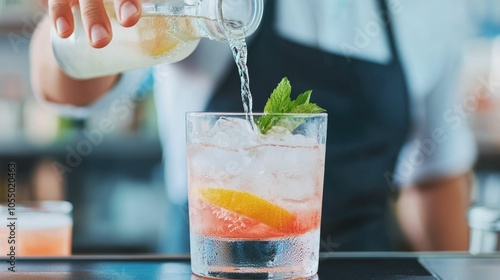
(155, 39)
(168, 31)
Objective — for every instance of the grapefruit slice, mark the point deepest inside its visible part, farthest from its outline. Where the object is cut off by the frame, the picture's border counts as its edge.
(249, 205)
(156, 35)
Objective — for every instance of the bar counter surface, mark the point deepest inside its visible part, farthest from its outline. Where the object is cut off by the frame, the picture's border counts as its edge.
(453, 266)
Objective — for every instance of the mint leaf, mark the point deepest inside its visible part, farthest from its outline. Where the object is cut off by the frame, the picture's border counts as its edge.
(266, 122)
(309, 108)
(303, 98)
(279, 102)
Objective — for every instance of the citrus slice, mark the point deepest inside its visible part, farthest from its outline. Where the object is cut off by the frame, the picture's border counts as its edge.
(153, 32)
(156, 35)
(249, 205)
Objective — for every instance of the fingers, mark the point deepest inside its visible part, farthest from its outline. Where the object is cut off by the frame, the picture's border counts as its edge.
(62, 18)
(128, 11)
(96, 22)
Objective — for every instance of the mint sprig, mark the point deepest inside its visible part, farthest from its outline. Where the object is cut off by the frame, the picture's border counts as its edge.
(280, 102)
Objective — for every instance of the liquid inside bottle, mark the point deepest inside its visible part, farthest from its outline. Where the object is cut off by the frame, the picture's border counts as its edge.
(168, 31)
(156, 38)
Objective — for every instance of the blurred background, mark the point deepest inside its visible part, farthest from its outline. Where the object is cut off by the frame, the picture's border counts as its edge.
(115, 180)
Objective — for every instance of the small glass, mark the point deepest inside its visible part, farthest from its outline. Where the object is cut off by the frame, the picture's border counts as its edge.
(484, 223)
(484, 215)
(255, 199)
(38, 228)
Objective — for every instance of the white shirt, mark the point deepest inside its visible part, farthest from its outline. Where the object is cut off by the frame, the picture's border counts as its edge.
(429, 36)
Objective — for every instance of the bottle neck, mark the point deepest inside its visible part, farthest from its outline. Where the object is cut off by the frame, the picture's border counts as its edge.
(217, 19)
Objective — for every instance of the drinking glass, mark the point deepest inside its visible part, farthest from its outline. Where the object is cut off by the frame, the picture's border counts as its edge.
(38, 228)
(255, 199)
(484, 214)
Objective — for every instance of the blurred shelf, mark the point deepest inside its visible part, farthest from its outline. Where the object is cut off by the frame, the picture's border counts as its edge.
(111, 147)
(16, 14)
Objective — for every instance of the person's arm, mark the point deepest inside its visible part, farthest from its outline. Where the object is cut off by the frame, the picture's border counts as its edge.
(51, 83)
(47, 78)
(435, 166)
(432, 215)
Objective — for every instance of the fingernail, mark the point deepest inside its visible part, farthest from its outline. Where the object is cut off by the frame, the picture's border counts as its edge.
(62, 25)
(127, 10)
(98, 33)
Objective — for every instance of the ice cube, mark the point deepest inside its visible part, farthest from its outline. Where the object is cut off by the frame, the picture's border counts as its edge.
(281, 136)
(276, 165)
(281, 172)
(292, 171)
(218, 165)
(232, 133)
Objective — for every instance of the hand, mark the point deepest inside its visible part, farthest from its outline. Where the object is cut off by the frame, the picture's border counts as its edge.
(95, 20)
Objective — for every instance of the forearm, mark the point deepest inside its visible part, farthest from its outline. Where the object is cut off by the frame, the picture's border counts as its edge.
(51, 83)
(433, 215)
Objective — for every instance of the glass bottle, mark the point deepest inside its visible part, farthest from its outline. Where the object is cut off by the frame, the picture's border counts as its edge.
(168, 31)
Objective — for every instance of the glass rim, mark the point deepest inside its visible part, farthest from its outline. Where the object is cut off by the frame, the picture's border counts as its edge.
(47, 206)
(237, 114)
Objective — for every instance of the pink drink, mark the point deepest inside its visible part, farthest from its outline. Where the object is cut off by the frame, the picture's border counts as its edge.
(254, 200)
(39, 231)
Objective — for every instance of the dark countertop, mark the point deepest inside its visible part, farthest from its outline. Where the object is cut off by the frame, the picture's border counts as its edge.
(422, 266)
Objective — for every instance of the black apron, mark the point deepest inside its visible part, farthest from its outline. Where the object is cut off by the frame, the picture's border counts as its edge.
(368, 121)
